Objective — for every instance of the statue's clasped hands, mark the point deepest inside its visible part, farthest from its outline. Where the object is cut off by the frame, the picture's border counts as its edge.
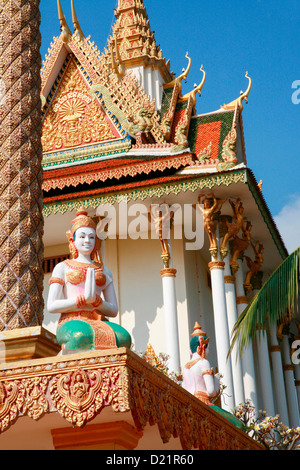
(90, 286)
(90, 297)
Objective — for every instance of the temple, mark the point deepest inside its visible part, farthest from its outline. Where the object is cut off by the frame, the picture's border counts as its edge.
(185, 230)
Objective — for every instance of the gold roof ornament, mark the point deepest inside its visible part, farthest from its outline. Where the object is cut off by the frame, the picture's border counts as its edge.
(77, 28)
(181, 77)
(239, 101)
(197, 89)
(64, 28)
(116, 60)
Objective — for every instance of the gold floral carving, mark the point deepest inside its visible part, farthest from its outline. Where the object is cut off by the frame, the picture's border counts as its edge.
(152, 401)
(79, 387)
(128, 95)
(74, 118)
(80, 395)
(11, 402)
(36, 403)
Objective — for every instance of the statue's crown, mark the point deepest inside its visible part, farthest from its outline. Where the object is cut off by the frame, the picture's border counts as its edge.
(82, 220)
(199, 332)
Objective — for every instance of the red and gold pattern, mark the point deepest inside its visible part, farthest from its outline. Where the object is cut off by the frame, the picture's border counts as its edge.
(109, 169)
(209, 135)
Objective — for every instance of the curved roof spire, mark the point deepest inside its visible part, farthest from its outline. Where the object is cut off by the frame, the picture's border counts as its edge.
(65, 30)
(183, 76)
(197, 88)
(76, 24)
(239, 101)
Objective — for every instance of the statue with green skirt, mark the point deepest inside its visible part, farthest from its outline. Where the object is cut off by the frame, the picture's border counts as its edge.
(82, 291)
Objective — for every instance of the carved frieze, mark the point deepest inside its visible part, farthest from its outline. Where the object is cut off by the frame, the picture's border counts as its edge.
(78, 387)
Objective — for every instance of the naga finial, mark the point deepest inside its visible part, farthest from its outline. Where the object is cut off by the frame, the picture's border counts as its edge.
(184, 74)
(197, 89)
(239, 101)
(77, 28)
(64, 28)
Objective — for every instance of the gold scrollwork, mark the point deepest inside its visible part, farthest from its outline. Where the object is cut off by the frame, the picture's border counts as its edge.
(80, 395)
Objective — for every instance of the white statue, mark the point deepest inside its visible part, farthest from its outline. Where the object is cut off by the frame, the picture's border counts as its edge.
(82, 291)
(198, 376)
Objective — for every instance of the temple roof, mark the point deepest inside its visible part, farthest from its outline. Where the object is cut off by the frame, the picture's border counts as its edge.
(103, 136)
(95, 112)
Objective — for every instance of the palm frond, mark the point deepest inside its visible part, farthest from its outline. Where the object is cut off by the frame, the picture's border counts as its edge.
(278, 295)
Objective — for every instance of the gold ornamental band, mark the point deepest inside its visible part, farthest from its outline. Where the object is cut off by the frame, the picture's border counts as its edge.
(216, 265)
(275, 348)
(229, 279)
(242, 300)
(288, 367)
(168, 272)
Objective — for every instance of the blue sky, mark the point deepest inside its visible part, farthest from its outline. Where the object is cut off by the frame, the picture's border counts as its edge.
(228, 38)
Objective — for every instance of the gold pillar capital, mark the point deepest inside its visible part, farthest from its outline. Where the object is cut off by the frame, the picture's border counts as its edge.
(229, 279)
(216, 265)
(168, 272)
(242, 299)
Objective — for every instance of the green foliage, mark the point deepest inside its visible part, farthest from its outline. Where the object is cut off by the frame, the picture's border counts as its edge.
(274, 302)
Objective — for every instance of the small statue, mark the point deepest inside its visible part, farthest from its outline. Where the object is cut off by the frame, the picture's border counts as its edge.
(82, 291)
(198, 376)
(241, 245)
(234, 227)
(210, 224)
(162, 218)
(254, 266)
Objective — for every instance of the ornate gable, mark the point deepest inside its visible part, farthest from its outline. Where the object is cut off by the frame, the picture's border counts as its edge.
(74, 120)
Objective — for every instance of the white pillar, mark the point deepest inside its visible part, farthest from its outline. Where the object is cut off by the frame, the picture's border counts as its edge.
(265, 373)
(247, 355)
(232, 316)
(170, 314)
(292, 402)
(221, 331)
(278, 378)
(263, 359)
(297, 381)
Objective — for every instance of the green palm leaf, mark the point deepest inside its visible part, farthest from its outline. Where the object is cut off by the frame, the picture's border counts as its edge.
(278, 295)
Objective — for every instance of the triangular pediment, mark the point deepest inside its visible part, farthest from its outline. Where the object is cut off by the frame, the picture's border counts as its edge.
(75, 125)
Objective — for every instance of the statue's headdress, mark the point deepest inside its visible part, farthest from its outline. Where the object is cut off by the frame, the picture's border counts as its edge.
(83, 220)
(199, 341)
